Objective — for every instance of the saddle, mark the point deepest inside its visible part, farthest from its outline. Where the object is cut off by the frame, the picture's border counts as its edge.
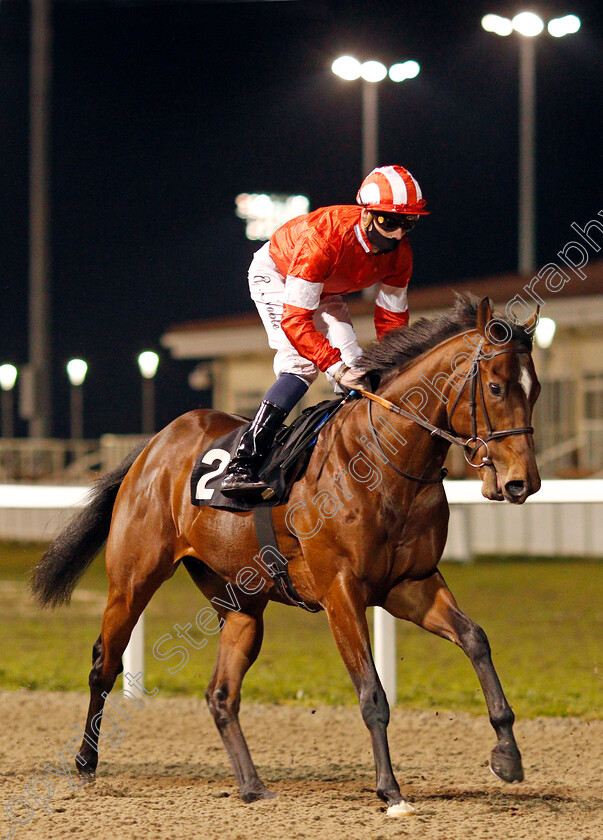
(286, 463)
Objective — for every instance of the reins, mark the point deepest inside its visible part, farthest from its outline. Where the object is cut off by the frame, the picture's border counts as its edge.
(387, 404)
(470, 446)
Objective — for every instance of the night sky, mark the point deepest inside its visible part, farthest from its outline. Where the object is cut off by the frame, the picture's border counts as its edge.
(163, 113)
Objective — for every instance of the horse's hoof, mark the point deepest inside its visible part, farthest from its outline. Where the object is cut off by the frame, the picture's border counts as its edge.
(401, 809)
(506, 763)
(86, 771)
(256, 795)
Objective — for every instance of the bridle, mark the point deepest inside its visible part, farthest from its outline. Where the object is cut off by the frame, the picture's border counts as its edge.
(470, 446)
(478, 385)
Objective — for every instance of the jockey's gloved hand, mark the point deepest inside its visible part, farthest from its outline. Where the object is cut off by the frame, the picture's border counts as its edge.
(347, 377)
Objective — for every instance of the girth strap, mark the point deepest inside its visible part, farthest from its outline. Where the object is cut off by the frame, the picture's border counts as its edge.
(266, 536)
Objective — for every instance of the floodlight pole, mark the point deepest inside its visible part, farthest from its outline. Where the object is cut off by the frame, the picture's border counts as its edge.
(39, 310)
(8, 426)
(370, 126)
(528, 25)
(148, 406)
(76, 415)
(147, 362)
(370, 142)
(527, 156)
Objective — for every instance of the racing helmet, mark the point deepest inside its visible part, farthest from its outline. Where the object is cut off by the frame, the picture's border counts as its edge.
(392, 189)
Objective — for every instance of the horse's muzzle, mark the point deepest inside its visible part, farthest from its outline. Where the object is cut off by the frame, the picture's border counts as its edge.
(516, 492)
(491, 488)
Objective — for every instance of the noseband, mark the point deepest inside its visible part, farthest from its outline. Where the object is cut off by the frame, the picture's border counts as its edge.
(470, 446)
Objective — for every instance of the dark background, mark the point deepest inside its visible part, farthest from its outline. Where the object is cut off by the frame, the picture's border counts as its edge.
(163, 112)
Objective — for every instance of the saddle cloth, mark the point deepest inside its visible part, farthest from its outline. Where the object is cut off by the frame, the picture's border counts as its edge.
(286, 463)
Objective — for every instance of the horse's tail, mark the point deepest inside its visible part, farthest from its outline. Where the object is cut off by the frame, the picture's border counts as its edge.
(65, 561)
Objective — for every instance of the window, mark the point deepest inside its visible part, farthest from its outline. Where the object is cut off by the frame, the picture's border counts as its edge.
(555, 426)
(592, 421)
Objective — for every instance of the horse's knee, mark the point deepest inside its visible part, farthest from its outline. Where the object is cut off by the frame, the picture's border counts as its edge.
(223, 705)
(374, 705)
(216, 695)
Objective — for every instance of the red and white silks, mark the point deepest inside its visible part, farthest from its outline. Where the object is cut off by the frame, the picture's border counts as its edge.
(330, 318)
(297, 279)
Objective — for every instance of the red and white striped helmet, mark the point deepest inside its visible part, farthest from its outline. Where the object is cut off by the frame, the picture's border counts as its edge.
(392, 189)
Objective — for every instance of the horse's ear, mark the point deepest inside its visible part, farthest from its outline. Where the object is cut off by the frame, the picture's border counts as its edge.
(532, 322)
(484, 314)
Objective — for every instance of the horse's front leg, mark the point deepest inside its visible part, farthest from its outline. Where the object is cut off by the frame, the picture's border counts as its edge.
(430, 604)
(346, 612)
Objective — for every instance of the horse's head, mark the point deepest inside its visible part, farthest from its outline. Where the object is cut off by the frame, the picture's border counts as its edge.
(479, 369)
(493, 409)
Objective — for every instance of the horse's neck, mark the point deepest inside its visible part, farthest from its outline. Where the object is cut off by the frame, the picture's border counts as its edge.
(426, 384)
(425, 387)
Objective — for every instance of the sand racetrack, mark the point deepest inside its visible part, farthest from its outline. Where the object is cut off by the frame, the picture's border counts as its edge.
(169, 777)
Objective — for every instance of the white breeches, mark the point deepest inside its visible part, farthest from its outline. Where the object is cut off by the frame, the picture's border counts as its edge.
(331, 318)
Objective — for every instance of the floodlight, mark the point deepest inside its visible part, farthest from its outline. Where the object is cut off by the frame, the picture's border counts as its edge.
(346, 67)
(568, 25)
(76, 371)
(528, 24)
(497, 24)
(373, 71)
(8, 377)
(147, 362)
(545, 333)
(405, 70)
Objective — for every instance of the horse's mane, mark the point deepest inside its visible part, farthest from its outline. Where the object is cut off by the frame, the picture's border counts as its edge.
(398, 347)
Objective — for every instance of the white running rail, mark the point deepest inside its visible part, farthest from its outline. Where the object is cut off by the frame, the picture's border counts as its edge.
(16, 497)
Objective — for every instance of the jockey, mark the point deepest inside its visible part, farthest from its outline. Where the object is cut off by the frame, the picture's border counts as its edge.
(297, 280)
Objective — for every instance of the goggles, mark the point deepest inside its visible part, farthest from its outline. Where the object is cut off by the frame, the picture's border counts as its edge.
(389, 222)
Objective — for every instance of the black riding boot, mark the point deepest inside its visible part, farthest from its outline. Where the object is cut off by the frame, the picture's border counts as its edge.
(241, 477)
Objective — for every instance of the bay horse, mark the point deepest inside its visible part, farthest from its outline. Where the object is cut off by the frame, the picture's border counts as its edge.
(379, 541)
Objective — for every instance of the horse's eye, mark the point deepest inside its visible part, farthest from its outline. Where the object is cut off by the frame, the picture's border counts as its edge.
(495, 389)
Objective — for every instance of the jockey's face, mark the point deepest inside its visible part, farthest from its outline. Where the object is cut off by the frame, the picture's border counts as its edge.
(385, 230)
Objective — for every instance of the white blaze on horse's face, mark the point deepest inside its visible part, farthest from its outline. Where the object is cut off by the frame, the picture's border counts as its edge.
(525, 380)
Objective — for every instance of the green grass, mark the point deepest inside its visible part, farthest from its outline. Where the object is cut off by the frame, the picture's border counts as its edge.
(544, 621)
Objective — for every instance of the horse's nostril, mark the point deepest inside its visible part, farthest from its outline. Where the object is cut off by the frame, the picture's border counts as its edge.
(515, 488)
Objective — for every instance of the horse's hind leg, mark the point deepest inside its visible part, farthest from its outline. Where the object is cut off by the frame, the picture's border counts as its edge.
(241, 638)
(430, 604)
(240, 643)
(130, 591)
